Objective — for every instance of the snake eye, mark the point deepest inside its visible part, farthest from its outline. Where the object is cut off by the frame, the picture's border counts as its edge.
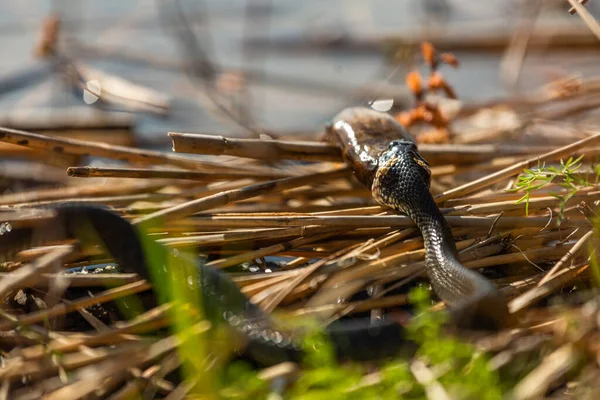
(396, 143)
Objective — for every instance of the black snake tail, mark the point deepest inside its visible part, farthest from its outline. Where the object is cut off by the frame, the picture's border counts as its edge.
(264, 339)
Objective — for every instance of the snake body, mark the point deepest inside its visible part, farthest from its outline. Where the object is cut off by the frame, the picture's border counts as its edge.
(383, 158)
(258, 335)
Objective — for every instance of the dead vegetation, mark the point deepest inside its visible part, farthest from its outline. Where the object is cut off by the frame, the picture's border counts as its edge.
(304, 238)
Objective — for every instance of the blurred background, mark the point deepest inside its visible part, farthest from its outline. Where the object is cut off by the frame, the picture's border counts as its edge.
(240, 68)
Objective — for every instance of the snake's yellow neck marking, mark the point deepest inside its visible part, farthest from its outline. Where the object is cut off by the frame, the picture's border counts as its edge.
(422, 164)
(379, 196)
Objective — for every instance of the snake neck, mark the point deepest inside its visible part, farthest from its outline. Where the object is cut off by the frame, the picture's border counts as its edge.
(402, 183)
(450, 279)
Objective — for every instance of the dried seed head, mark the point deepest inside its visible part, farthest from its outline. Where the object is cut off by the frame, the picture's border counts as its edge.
(438, 82)
(48, 39)
(404, 118)
(450, 59)
(413, 81)
(428, 52)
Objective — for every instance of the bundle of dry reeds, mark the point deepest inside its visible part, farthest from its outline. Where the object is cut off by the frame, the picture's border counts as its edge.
(301, 236)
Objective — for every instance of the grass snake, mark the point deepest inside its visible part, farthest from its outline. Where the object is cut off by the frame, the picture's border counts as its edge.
(384, 159)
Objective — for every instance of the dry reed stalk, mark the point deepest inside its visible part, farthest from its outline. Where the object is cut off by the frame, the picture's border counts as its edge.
(520, 285)
(120, 333)
(255, 288)
(90, 378)
(37, 333)
(578, 247)
(80, 191)
(235, 236)
(543, 238)
(62, 309)
(452, 169)
(310, 193)
(25, 218)
(376, 221)
(295, 263)
(28, 275)
(112, 89)
(287, 287)
(390, 239)
(182, 390)
(417, 269)
(423, 374)
(133, 381)
(281, 248)
(141, 173)
(33, 253)
(369, 210)
(539, 292)
(571, 109)
(286, 370)
(253, 148)
(214, 188)
(515, 169)
(55, 160)
(368, 268)
(547, 253)
(75, 361)
(585, 15)
(167, 365)
(143, 355)
(18, 368)
(354, 307)
(147, 378)
(552, 367)
(573, 11)
(96, 149)
(514, 56)
(489, 196)
(292, 205)
(278, 150)
(233, 195)
(106, 200)
(243, 280)
(359, 276)
(536, 203)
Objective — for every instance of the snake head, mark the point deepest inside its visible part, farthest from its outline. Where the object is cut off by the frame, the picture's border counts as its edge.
(397, 147)
(402, 177)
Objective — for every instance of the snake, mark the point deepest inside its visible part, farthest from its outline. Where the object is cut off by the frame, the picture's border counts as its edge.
(383, 158)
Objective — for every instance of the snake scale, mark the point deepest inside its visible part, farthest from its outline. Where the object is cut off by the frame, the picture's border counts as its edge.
(384, 159)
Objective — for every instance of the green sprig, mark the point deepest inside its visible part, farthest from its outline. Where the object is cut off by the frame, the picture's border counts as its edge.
(567, 176)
